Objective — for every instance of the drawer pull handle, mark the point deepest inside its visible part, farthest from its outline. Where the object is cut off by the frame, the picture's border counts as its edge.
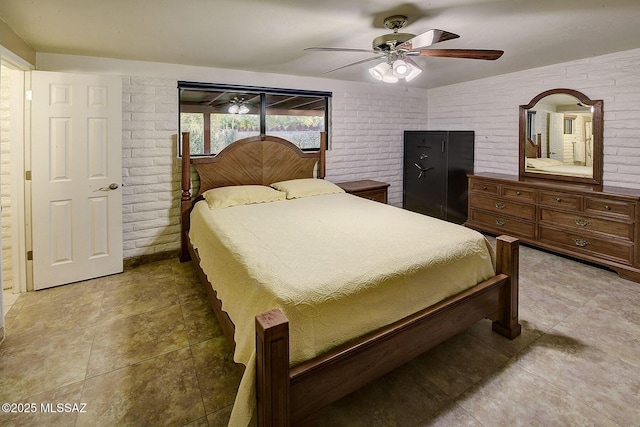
(484, 187)
(607, 207)
(501, 222)
(582, 222)
(558, 199)
(517, 193)
(580, 242)
(500, 205)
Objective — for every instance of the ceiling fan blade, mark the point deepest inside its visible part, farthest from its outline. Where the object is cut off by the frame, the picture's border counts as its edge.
(427, 38)
(463, 53)
(338, 49)
(353, 63)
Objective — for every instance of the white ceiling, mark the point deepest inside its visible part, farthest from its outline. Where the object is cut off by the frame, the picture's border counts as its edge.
(270, 35)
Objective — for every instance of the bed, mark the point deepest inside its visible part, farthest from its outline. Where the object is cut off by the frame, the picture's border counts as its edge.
(304, 350)
(553, 166)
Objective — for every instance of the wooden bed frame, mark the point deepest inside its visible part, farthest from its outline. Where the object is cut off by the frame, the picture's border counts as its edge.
(533, 149)
(297, 395)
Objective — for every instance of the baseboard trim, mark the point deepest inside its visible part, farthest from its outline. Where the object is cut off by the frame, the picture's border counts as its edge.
(137, 261)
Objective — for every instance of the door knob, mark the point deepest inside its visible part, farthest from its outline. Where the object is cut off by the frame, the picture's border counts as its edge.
(112, 186)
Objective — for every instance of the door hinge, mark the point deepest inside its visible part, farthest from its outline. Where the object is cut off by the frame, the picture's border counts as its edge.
(27, 175)
(28, 94)
(29, 255)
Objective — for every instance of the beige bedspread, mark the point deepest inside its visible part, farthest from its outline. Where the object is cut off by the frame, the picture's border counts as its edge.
(337, 265)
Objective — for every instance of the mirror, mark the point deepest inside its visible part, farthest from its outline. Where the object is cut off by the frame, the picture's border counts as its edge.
(561, 137)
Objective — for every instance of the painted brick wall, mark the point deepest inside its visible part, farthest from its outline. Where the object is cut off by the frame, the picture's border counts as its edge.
(150, 168)
(490, 108)
(367, 133)
(366, 143)
(5, 179)
(368, 121)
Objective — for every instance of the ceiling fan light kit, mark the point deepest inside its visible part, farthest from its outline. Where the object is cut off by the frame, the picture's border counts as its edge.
(397, 48)
(384, 72)
(399, 69)
(238, 106)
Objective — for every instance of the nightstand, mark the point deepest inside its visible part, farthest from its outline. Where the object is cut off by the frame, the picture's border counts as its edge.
(369, 189)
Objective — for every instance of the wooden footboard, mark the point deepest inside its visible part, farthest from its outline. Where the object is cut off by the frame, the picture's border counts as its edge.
(296, 395)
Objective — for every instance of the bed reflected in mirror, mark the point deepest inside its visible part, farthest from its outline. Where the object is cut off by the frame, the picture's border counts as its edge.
(561, 137)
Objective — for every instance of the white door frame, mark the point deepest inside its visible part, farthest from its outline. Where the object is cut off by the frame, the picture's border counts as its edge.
(20, 143)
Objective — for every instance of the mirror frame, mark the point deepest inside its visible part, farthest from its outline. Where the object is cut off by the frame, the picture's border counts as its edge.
(598, 124)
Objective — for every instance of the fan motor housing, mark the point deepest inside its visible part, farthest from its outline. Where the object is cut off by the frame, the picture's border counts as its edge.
(386, 41)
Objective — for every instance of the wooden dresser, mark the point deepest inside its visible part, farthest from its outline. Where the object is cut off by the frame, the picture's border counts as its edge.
(593, 223)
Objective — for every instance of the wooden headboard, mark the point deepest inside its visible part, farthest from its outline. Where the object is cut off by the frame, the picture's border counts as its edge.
(260, 160)
(533, 150)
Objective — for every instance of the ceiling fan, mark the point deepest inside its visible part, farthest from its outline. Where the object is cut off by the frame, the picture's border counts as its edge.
(398, 48)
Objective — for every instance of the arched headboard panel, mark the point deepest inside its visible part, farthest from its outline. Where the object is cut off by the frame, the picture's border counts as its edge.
(260, 160)
(255, 160)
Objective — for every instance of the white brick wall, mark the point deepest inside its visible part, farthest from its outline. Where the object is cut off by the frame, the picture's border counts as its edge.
(490, 107)
(367, 125)
(368, 121)
(367, 134)
(150, 168)
(5, 179)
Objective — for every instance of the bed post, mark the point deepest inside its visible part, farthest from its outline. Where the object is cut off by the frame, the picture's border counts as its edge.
(185, 202)
(272, 369)
(323, 151)
(507, 253)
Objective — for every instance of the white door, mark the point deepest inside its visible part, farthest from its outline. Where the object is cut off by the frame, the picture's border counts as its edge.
(76, 158)
(556, 136)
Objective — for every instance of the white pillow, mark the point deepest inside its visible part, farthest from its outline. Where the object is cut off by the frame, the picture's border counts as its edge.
(305, 187)
(224, 197)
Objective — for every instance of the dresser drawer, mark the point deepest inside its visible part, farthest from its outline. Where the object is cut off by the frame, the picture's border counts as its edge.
(503, 206)
(616, 208)
(578, 222)
(563, 200)
(484, 187)
(586, 244)
(505, 224)
(519, 193)
(375, 195)
(367, 188)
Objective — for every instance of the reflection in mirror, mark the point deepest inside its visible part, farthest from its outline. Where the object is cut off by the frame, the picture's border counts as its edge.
(561, 137)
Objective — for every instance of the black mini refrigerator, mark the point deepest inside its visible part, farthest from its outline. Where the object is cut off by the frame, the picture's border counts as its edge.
(436, 164)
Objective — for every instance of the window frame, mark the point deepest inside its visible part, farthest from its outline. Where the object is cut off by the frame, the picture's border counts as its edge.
(259, 90)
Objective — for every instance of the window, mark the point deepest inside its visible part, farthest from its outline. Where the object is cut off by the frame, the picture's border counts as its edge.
(217, 115)
(568, 124)
(531, 124)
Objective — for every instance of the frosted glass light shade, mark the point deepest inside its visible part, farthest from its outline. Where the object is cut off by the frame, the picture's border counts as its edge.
(401, 69)
(415, 70)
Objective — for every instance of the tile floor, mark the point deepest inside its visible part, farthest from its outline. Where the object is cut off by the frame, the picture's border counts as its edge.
(9, 298)
(143, 348)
